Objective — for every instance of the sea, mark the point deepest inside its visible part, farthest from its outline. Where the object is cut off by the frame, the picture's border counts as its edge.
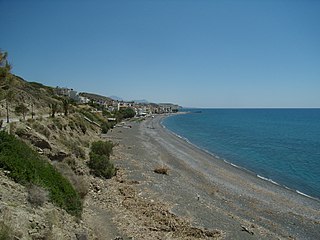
(278, 145)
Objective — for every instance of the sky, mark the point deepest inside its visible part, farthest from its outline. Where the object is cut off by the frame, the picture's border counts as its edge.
(195, 53)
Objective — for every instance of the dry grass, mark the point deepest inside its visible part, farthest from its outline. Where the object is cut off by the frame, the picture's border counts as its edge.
(37, 196)
(41, 129)
(78, 182)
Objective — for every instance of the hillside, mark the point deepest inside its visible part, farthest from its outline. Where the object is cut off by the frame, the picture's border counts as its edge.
(34, 95)
(32, 201)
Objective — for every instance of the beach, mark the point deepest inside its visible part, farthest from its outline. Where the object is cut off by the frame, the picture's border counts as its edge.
(209, 192)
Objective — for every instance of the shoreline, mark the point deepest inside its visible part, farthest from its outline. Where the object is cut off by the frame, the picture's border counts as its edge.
(297, 191)
(234, 165)
(228, 196)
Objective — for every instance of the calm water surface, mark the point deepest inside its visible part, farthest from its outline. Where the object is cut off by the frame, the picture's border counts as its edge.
(282, 145)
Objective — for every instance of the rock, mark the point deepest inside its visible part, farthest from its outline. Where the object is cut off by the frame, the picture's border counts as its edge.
(40, 143)
(35, 140)
(59, 156)
(81, 236)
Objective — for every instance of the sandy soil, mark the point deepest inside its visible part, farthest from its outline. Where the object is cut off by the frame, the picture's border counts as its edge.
(205, 191)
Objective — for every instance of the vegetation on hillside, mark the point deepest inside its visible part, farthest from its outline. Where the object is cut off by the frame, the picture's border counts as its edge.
(5, 81)
(27, 167)
(124, 114)
(99, 163)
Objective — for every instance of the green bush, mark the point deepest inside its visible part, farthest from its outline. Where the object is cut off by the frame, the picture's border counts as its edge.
(104, 128)
(101, 166)
(99, 162)
(127, 112)
(102, 148)
(27, 167)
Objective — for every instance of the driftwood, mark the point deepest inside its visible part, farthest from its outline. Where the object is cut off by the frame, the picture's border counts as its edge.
(245, 229)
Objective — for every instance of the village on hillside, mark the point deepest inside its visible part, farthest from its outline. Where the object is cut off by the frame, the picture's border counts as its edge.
(111, 105)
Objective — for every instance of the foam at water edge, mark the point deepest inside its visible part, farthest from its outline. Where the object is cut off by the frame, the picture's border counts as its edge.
(268, 179)
(306, 195)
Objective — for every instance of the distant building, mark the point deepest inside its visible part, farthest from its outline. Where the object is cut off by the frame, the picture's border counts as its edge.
(83, 100)
(123, 105)
(168, 108)
(69, 92)
(62, 91)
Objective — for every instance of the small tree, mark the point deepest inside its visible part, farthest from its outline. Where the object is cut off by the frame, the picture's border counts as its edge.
(104, 128)
(128, 113)
(6, 77)
(22, 109)
(66, 105)
(53, 108)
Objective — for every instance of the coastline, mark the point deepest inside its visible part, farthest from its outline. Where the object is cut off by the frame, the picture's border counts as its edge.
(228, 196)
(234, 165)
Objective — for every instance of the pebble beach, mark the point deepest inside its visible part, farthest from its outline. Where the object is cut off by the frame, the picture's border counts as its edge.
(208, 192)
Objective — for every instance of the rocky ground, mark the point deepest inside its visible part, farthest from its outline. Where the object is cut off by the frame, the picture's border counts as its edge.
(112, 209)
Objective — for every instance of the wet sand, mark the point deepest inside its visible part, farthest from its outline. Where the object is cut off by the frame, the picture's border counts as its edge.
(209, 192)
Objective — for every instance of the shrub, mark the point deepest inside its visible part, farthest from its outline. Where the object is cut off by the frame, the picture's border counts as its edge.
(101, 166)
(78, 151)
(128, 112)
(102, 148)
(105, 128)
(27, 167)
(77, 181)
(99, 162)
(37, 196)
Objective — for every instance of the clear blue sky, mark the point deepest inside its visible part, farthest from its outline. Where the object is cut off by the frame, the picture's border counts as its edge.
(195, 53)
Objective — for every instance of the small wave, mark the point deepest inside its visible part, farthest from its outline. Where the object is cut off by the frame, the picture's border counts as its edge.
(268, 179)
(306, 195)
(232, 164)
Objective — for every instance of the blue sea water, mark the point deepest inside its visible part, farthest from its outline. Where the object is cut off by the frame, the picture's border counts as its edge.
(282, 145)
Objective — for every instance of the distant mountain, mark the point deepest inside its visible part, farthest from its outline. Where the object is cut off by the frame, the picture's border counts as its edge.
(116, 98)
(143, 101)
